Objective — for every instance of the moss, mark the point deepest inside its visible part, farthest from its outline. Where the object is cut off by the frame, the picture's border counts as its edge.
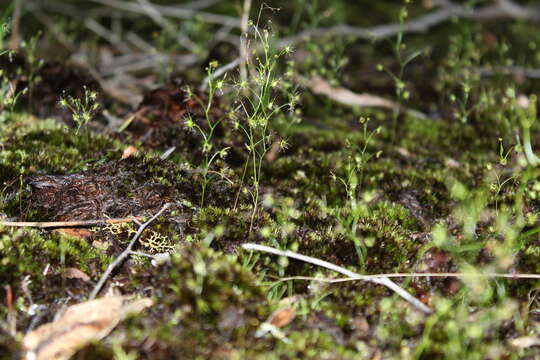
(34, 146)
(205, 302)
(27, 252)
(33, 266)
(225, 228)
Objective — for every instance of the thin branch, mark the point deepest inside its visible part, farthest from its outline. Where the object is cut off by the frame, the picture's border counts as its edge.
(106, 34)
(200, 4)
(66, 224)
(182, 39)
(412, 275)
(377, 280)
(531, 73)
(220, 72)
(125, 253)
(421, 24)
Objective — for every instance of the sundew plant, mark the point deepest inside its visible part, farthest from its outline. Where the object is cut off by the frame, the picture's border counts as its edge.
(260, 103)
(207, 130)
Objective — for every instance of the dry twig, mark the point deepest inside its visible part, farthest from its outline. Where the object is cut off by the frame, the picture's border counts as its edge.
(352, 275)
(244, 40)
(411, 275)
(65, 224)
(125, 253)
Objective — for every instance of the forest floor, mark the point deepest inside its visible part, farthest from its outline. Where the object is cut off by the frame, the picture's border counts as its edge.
(138, 177)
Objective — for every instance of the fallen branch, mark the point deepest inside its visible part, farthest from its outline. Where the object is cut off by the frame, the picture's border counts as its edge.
(65, 224)
(352, 275)
(220, 72)
(125, 253)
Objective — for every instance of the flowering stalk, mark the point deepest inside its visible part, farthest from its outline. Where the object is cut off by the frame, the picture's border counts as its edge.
(207, 146)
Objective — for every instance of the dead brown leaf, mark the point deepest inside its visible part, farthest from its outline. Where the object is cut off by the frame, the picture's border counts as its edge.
(345, 96)
(78, 326)
(282, 317)
(130, 150)
(74, 273)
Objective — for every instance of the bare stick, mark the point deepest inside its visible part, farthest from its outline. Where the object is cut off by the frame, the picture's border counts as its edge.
(531, 73)
(200, 4)
(65, 224)
(107, 35)
(125, 253)
(352, 275)
(411, 275)
(220, 72)
(345, 96)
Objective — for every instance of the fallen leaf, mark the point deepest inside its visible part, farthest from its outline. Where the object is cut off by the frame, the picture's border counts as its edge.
(130, 150)
(282, 317)
(289, 300)
(452, 163)
(74, 273)
(273, 153)
(345, 96)
(78, 326)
